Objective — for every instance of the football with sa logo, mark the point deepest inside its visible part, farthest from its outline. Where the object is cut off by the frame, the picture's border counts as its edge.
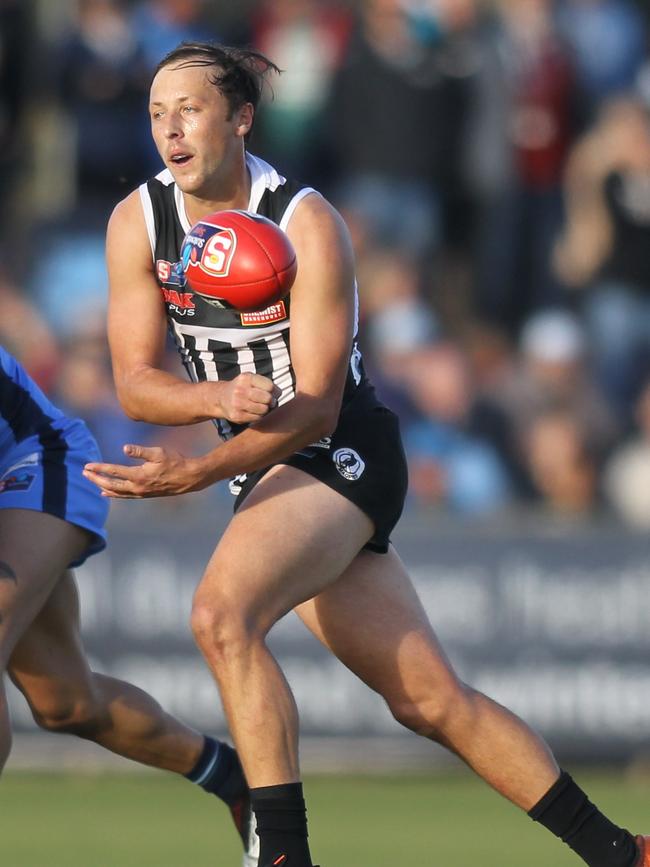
(238, 260)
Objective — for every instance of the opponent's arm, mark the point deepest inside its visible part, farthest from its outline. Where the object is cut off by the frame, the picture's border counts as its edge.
(322, 321)
(136, 332)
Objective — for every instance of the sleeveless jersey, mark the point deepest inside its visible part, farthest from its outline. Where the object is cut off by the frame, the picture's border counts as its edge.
(42, 455)
(216, 343)
(24, 409)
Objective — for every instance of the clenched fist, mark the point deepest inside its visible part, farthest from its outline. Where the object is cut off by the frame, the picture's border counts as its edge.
(247, 398)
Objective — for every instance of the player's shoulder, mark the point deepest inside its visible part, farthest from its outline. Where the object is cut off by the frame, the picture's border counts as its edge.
(317, 219)
(126, 210)
(127, 221)
(127, 233)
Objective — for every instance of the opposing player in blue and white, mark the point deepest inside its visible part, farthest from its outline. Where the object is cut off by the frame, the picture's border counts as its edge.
(52, 519)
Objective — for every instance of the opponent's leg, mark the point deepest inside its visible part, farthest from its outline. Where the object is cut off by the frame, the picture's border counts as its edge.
(291, 538)
(28, 574)
(49, 666)
(373, 621)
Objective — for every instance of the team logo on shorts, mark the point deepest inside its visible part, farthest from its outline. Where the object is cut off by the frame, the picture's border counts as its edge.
(17, 482)
(349, 464)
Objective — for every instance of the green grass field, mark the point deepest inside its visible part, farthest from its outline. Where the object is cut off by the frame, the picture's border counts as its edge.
(146, 820)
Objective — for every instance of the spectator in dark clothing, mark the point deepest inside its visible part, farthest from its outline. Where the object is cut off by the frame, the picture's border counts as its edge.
(104, 85)
(307, 38)
(385, 120)
(14, 28)
(604, 247)
(517, 144)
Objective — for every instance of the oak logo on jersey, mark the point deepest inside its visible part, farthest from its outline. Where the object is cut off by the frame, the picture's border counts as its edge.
(274, 313)
(173, 285)
(180, 301)
(349, 464)
(209, 248)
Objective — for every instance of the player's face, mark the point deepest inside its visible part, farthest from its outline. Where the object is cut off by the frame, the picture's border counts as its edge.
(193, 132)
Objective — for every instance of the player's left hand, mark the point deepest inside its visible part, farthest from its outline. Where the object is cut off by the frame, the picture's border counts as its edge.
(163, 473)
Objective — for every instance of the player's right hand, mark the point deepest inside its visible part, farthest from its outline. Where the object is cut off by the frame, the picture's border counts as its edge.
(247, 398)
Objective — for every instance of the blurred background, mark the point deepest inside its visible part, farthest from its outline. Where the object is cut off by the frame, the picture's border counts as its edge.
(492, 160)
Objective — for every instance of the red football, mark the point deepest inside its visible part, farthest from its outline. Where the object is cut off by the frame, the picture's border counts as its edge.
(239, 260)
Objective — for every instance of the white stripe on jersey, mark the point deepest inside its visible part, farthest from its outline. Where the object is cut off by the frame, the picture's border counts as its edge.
(180, 210)
(281, 363)
(235, 337)
(263, 177)
(291, 207)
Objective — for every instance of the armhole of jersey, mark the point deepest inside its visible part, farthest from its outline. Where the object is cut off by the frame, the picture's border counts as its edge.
(147, 208)
(284, 222)
(293, 204)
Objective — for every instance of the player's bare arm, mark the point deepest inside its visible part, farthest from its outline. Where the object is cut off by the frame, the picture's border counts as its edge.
(147, 392)
(322, 302)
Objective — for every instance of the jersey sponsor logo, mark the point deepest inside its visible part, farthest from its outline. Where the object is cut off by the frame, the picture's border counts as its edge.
(171, 273)
(349, 464)
(17, 482)
(274, 313)
(164, 270)
(211, 249)
(178, 300)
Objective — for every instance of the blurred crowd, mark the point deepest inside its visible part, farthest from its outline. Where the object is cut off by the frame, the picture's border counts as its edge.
(492, 160)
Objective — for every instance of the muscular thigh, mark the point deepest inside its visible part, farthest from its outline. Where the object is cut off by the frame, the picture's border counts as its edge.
(292, 537)
(48, 663)
(374, 622)
(35, 550)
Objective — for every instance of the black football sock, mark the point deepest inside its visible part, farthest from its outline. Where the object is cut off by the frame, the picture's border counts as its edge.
(569, 814)
(281, 825)
(219, 772)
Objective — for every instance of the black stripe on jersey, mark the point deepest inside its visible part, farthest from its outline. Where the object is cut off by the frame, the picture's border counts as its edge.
(32, 421)
(229, 366)
(166, 222)
(262, 356)
(274, 203)
(229, 369)
(191, 357)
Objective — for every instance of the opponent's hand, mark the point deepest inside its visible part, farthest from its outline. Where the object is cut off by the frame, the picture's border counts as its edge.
(163, 473)
(247, 398)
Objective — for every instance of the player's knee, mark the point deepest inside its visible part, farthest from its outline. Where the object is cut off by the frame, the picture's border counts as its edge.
(222, 629)
(433, 715)
(84, 718)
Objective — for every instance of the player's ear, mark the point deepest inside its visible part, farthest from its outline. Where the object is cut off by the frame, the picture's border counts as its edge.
(244, 119)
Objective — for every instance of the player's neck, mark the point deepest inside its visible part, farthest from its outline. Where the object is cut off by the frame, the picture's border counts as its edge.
(233, 190)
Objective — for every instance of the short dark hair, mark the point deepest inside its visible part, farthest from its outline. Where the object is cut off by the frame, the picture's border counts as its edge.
(241, 72)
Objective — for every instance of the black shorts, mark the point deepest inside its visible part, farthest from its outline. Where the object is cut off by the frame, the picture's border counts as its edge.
(363, 460)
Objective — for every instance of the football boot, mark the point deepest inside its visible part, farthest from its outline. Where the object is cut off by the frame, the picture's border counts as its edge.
(244, 819)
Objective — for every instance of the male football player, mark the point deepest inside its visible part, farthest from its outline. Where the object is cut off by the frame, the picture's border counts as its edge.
(320, 478)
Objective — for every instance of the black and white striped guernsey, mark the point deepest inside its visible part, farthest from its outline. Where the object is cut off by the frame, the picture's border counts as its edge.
(216, 343)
